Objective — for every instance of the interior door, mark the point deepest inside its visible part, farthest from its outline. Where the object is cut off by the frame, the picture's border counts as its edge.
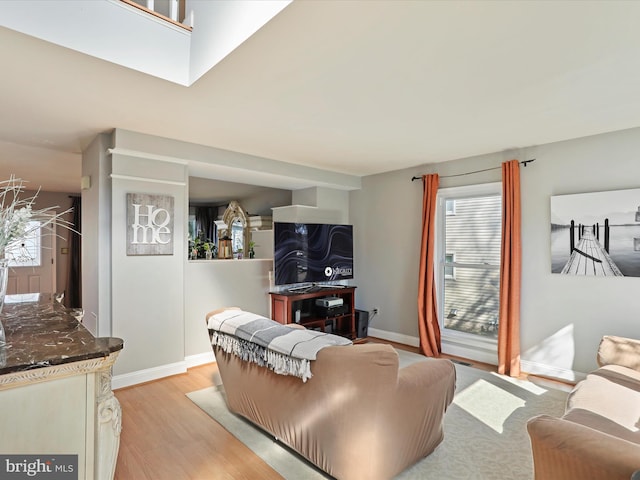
(32, 266)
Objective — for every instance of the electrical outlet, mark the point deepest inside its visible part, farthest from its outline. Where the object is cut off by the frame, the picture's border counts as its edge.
(375, 311)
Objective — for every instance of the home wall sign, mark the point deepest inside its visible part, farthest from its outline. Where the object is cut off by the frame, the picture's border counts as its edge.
(596, 234)
(149, 224)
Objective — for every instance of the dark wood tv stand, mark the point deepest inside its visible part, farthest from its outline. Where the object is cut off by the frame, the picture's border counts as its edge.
(285, 304)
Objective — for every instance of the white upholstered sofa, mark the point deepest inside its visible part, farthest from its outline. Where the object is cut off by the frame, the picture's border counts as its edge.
(598, 437)
(359, 417)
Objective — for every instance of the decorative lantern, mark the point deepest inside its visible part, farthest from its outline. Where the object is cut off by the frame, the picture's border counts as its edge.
(224, 248)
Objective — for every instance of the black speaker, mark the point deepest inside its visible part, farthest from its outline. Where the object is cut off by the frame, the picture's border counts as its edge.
(362, 323)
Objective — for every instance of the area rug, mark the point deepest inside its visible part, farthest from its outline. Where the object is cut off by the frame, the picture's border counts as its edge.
(485, 429)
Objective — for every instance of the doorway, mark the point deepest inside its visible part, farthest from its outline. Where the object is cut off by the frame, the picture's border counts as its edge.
(468, 270)
(32, 262)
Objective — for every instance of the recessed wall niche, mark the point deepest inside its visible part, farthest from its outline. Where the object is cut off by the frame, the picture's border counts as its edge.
(208, 201)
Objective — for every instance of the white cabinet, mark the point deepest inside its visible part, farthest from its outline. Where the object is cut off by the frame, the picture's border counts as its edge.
(64, 409)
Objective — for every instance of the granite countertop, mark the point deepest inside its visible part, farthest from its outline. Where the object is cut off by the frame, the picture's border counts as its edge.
(41, 332)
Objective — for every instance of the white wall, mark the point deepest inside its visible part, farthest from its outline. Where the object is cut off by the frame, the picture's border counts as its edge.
(220, 164)
(246, 283)
(315, 205)
(263, 203)
(213, 284)
(157, 304)
(110, 30)
(147, 292)
(96, 237)
(137, 298)
(386, 214)
(220, 27)
(562, 318)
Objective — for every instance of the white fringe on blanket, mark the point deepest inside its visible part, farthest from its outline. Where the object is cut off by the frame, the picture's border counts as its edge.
(250, 352)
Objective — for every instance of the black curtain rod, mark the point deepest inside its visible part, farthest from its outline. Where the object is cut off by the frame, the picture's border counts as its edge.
(523, 162)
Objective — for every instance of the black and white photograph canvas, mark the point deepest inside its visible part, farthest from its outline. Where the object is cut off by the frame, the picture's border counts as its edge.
(596, 234)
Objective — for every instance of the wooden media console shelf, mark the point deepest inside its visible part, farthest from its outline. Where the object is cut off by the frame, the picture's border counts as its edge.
(300, 307)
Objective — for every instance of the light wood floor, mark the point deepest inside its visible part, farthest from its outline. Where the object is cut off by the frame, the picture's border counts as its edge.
(165, 436)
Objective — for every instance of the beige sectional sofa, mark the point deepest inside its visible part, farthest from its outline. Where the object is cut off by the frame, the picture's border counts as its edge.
(598, 437)
(359, 417)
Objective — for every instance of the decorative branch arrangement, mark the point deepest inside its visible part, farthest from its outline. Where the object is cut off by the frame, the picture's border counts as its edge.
(16, 213)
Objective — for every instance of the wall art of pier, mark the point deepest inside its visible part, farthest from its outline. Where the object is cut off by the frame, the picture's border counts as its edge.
(588, 255)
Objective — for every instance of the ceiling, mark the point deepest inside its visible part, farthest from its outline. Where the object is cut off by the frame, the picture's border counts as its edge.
(352, 86)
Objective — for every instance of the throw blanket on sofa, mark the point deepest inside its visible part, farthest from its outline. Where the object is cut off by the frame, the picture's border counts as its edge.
(253, 338)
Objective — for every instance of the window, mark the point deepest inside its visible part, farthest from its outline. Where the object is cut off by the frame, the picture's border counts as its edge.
(449, 269)
(450, 207)
(26, 253)
(468, 266)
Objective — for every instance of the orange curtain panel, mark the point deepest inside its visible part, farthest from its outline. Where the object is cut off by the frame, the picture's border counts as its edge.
(510, 272)
(427, 308)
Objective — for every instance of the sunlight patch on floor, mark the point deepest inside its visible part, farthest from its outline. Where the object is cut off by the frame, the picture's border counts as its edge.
(488, 403)
(524, 384)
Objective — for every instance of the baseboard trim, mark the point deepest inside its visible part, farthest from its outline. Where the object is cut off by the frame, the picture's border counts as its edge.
(475, 349)
(155, 373)
(148, 375)
(448, 348)
(528, 366)
(470, 353)
(451, 348)
(199, 359)
(394, 337)
(550, 371)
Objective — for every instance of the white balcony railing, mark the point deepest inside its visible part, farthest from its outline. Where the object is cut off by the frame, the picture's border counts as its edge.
(170, 10)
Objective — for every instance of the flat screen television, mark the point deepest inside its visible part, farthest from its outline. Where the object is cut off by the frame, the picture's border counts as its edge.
(312, 252)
